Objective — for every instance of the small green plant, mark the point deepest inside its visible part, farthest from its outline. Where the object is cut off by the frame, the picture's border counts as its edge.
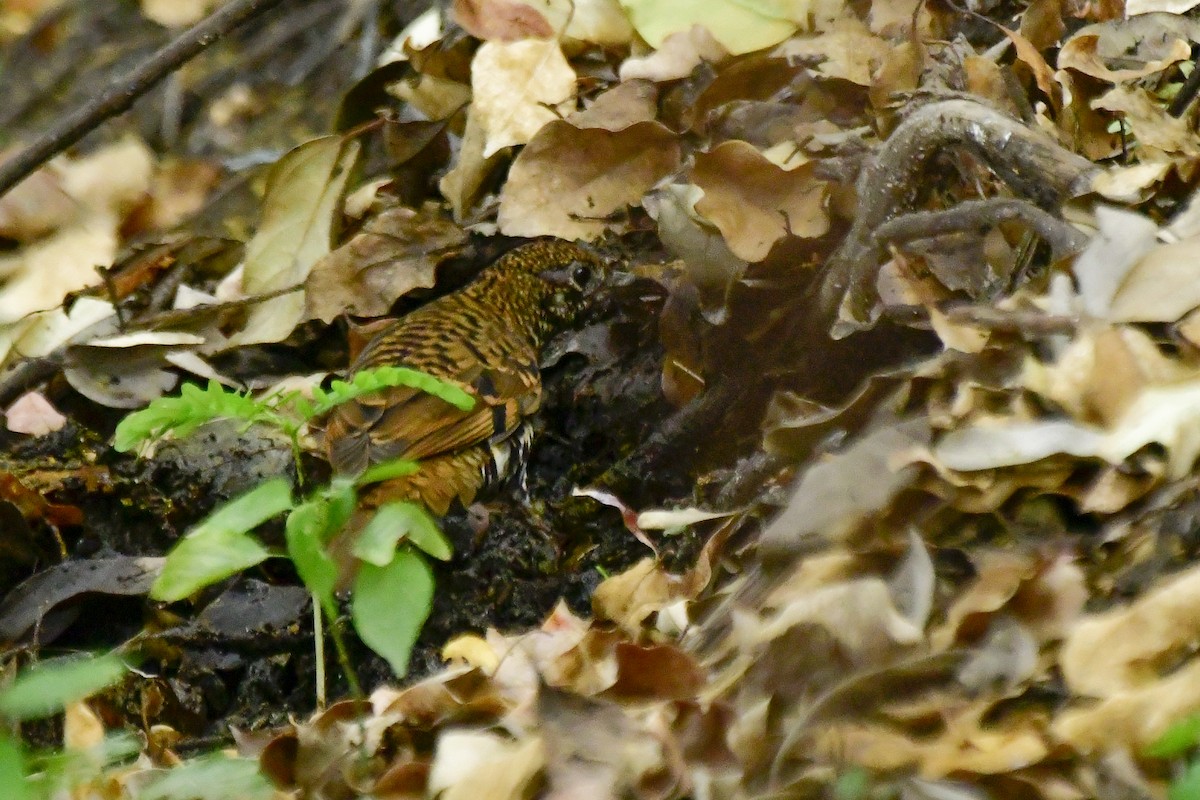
(47, 688)
(1180, 744)
(393, 585)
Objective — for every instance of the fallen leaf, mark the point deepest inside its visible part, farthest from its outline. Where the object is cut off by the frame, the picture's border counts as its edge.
(755, 203)
(517, 88)
(33, 414)
(299, 213)
(396, 251)
(568, 181)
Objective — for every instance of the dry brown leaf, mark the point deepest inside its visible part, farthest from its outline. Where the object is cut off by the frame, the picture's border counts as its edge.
(615, 109)
(1150, 123)
(517, 88)
(105, 186)
(568, 181)
(462, 183)
(395, 252)
(755, 203)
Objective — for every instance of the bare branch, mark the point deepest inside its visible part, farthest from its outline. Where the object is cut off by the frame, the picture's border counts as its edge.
(121, 95)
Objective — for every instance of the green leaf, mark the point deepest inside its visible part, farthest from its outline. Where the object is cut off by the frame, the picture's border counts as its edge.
(1187, 785)
(1176, 740)
(183, 414)
(741, 26)
(48, 686)
(308, 529)
(203, 559)
(391, 604)
(12, 770)
(387, 470)
(369, 381)
(376, 542)
(211, 777)
(251, 509)
(221, 546)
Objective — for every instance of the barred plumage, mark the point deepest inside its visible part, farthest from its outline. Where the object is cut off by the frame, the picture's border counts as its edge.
(485, 338)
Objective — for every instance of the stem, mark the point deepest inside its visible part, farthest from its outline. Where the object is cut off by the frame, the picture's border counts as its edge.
(339, 644)
(319, 648)
(122, 94)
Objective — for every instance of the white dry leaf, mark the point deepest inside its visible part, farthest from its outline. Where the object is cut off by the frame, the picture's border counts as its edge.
(679, 54)
(1133, 718)
(302, 202)
(1162, 286)
(1129, 647)
(1123, 238)
(658, 519)
(1167, 415)
(596, 21)
(419, 34)
(848, 50)
(177, 13)
(40, 334)
(1175, 7)
(1130, 184)
(517, 88)
(468, 765)
(33, 414)
(859, 614)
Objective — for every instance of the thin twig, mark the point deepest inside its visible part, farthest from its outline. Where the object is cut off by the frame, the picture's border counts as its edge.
(122, 94)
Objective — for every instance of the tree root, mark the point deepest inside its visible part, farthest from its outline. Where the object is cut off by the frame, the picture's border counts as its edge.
(1033, 166)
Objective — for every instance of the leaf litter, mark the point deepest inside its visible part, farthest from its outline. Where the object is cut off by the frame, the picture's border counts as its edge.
(965, 569)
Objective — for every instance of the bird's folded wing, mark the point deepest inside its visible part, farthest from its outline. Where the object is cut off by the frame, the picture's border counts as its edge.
(408, 423)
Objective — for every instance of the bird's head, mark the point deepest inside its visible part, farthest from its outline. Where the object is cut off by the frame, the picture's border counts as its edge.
(564, 276)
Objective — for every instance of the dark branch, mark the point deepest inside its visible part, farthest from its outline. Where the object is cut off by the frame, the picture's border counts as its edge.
(122, 94)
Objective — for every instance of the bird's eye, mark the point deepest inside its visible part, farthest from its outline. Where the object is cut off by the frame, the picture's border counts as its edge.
(581, 275)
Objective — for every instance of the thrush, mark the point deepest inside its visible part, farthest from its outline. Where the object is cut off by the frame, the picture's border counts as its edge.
(485, 338)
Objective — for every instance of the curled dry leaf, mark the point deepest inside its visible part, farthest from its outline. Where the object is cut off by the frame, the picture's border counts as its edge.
(1158, 133)
(711, 266)
(395, 252)
(755, 203)
(517, 88)
(568, 181)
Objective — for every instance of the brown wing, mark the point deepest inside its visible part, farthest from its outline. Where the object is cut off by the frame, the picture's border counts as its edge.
(500, 370)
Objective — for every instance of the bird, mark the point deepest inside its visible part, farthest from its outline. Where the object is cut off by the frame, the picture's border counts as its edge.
(485, 338)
